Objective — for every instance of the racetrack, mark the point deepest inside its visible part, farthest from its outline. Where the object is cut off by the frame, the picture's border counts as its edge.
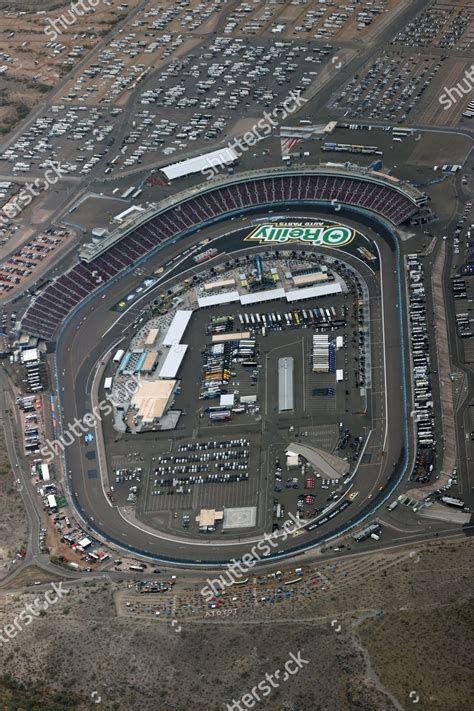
(93, 330)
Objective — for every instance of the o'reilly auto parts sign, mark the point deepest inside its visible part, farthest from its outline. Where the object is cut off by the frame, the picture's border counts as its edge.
(320, 236)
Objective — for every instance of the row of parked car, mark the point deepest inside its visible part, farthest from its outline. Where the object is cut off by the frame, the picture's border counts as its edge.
(421, 368)
(213, 444)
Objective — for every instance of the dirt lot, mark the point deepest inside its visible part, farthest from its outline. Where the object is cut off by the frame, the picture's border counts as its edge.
(13, 531)
(371, 630)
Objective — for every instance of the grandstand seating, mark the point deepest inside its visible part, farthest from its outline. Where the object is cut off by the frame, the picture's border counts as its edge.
(61, 296)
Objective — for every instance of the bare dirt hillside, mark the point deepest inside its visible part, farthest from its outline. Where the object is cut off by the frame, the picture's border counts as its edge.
(377, 633)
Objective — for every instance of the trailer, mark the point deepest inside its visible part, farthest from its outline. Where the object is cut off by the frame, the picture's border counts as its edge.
(450, 501)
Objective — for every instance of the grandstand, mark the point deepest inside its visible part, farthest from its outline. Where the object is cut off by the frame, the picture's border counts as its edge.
(396, 202)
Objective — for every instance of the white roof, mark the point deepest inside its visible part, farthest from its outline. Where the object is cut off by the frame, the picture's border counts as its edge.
(227, 400)
(177, 327)
(262, 296)
(45, 472)
(225, 298)
(30, 355)
(313, 291)
(84, 542)
(51, 501)
(223, 156)
(339, 375)
(127, 212)
(173, 360)
(108, 383)
(248, 398)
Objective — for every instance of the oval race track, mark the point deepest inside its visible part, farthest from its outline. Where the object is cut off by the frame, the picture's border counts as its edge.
(91, 329)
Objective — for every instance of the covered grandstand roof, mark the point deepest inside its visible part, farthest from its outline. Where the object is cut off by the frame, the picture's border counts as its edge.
(173, 361)
(218, 158)
(312, 292)
(177, 327)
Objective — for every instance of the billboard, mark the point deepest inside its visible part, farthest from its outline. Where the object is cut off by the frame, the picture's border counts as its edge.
(316, 235)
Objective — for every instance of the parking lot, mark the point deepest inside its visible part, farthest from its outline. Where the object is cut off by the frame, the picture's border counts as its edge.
(22, 264)
(198, 97)
(390, 88)
(446, 24)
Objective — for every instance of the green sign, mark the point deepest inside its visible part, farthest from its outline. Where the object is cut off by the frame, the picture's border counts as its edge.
(320, 236)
